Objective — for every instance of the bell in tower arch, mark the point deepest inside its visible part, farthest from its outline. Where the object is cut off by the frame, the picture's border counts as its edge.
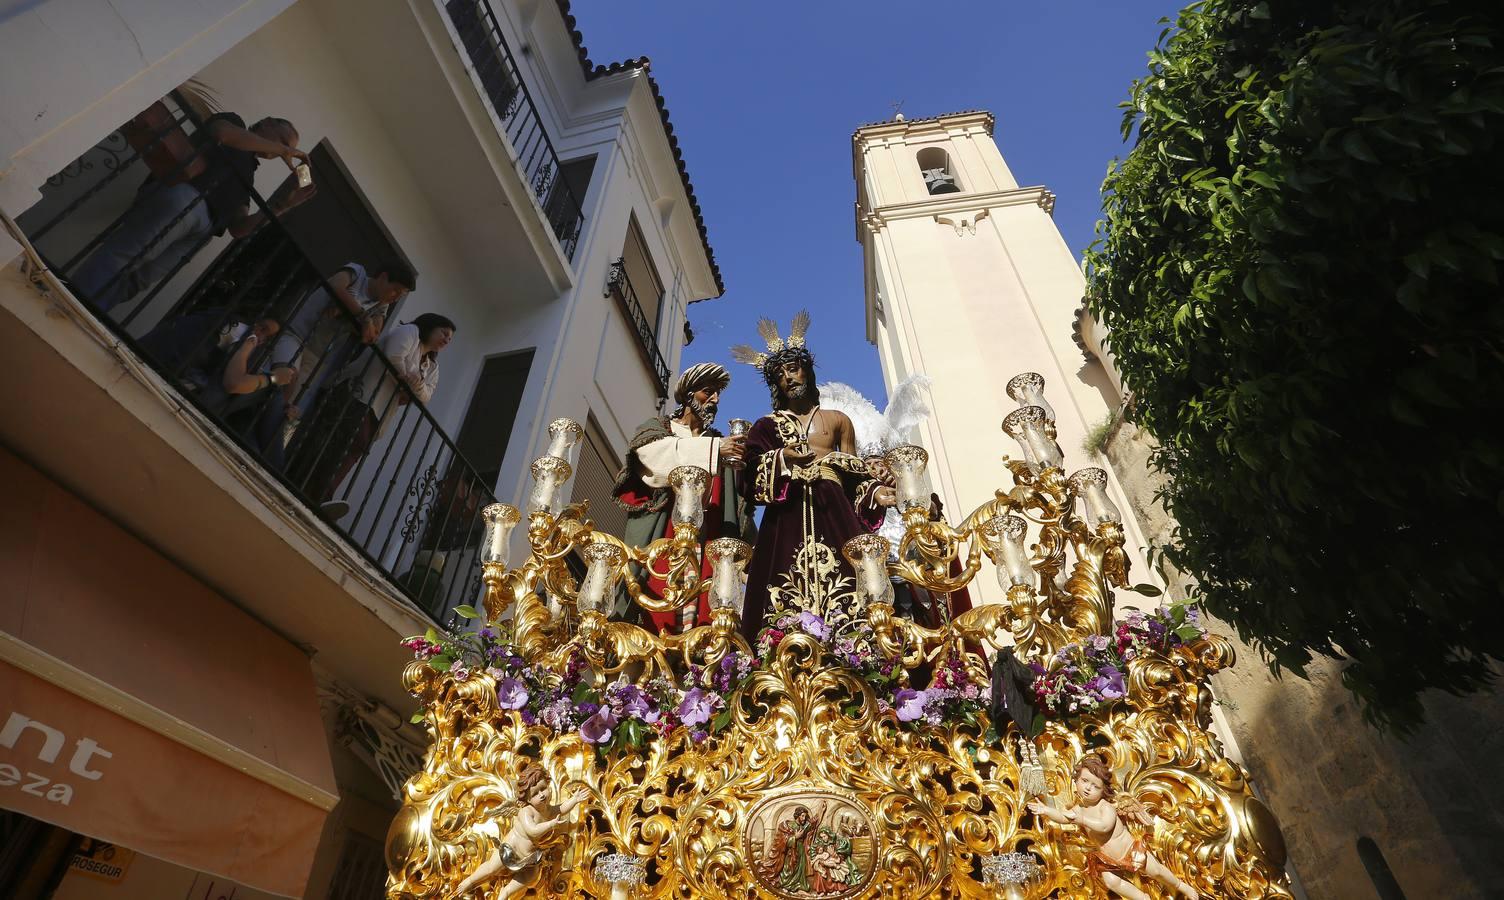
(939, 177)
(939, 181)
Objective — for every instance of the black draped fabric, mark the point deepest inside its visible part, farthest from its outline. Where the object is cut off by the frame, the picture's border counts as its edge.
(810, 513)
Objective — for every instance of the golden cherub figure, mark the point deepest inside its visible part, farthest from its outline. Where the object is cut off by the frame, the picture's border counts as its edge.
(1117, 852)
(534, 819)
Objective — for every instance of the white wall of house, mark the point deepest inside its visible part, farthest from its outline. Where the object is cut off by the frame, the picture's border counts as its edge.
(313, 62)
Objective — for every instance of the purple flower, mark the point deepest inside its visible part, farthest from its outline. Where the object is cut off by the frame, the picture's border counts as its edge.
(459, 671)
(527, 717)
(511, 694)
(910, 704)
(635, 703)
(1098, 642)
(558, 715)
(697, 707)
(1108, 684)
(814, 626)
(597, 728)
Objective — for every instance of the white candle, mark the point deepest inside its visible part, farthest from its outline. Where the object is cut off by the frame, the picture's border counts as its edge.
(1004, 539)
(907, 463)
(563, 435)
(603, 567)
(549, 474)
(1091, 486)
(500, 519)
(1028, 390)
(689, 483)
(727, 557)
(868, 555)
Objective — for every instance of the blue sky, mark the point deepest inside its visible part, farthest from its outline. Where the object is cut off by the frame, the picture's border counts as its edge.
(764, 98)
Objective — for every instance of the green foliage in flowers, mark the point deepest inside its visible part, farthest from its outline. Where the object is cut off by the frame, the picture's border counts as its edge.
(1300, 271)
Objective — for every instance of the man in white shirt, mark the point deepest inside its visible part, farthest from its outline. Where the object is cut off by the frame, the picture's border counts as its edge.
(684, 438)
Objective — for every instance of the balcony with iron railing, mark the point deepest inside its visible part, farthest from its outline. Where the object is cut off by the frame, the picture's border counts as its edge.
(518, 116)
(619, 286)
(366, 455)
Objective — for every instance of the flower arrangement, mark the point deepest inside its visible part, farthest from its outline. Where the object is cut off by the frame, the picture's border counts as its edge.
(1088, 675)
(952, 696)
(851, 644)
(612, 717)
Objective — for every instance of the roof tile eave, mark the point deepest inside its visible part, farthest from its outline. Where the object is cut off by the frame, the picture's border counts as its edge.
(643, 64)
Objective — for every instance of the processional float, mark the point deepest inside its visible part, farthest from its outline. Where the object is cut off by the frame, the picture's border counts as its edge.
(574, 755)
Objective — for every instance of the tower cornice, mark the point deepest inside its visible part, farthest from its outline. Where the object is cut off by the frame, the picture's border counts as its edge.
(929, 125)
(952, 206)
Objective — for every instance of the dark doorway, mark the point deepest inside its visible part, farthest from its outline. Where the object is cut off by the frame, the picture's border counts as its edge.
(338, 225)
(493, 412)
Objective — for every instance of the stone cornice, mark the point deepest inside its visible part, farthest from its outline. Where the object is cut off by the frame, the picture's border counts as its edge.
(880, 130)
(955, 206)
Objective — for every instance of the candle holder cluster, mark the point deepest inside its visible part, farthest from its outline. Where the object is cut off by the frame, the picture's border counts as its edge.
(803, 753)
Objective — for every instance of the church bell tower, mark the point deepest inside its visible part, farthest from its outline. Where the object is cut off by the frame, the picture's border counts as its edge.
(968, 281)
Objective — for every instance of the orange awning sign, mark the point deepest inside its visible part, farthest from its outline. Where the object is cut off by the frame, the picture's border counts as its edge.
(49, 742)
(82, 767)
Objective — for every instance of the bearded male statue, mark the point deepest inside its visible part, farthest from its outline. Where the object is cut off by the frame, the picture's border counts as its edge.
(683, 438)
(802, 468)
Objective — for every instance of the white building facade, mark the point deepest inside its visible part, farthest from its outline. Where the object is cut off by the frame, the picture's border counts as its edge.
(546, 209)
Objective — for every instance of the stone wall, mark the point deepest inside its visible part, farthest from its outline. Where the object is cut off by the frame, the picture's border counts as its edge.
(1433, 804)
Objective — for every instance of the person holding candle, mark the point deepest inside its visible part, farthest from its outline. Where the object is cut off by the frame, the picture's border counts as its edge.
(686, 437)
(817, 494)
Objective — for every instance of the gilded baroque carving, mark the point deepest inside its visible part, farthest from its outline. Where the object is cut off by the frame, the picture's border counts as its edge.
(809, 782)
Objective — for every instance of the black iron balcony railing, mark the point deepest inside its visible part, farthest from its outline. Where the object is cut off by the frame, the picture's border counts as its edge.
(475, 22)
(258, 342)
(620, 287)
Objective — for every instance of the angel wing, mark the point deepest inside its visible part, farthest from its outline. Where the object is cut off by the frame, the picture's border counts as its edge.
(908, 405)
(1134, 809)
(871, 427)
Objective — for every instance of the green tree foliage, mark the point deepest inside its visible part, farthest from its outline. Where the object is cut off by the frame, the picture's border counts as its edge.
(1300, 270)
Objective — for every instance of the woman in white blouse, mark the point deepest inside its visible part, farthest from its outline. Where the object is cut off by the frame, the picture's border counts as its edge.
(365, 398)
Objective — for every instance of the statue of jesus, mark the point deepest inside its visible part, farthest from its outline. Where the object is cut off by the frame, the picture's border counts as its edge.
(802, 467)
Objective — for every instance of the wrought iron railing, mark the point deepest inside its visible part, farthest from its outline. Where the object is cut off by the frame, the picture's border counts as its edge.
(364, 453)
(618, 285)
(476, 24)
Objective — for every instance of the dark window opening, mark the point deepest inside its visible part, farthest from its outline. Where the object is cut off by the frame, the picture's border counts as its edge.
(493, 412)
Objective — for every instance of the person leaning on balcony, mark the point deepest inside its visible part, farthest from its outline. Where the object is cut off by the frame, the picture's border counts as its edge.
(352, 414)
(662, 444)
(167, 222)
(319, 336)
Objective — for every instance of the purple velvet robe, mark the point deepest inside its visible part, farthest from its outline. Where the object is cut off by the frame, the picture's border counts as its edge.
(810, 513)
